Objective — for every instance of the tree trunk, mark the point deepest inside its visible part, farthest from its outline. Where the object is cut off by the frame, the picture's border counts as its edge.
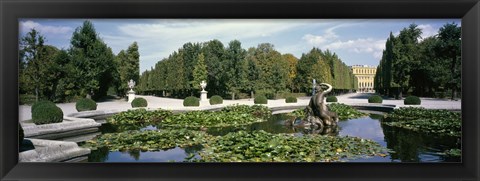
(251, 95)
(233, 96)
(400, 93)
(454, 94)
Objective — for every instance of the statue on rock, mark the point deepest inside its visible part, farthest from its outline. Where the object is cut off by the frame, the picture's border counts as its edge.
(317, 115)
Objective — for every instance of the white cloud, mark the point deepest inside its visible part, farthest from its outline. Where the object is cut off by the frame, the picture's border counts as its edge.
(361, 45)
(26, 26)
(330, 40)
(427, 30)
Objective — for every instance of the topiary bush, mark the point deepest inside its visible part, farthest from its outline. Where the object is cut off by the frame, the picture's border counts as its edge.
(375, 99)
(37, 104)
(291, 99)
(332, 99)
(260, 99)
(139, 102)
(216, 99)
(191, 101)
(46, 114)
(412, 100)
(85, 104)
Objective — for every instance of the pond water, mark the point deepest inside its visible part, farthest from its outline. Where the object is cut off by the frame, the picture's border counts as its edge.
(408, 146)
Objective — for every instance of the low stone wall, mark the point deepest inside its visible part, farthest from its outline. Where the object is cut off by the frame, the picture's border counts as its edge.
(69, 127)
(53, 151)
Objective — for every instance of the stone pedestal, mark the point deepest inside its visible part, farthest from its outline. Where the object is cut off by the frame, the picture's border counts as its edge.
(131, 95)
(203, 96)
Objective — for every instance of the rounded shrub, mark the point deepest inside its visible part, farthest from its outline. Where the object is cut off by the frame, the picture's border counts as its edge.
(332, 99)
(216, 99)
(412, 100)
(46, 114)
(260, 99)
(191, 101)
(375, 99)
(85, 104)
(139, 102)
(37, 104)
(291, 99)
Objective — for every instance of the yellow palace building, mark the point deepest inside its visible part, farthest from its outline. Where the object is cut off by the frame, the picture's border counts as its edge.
(365, 75)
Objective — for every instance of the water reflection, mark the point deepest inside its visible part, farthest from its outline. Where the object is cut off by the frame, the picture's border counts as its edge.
(172, 155)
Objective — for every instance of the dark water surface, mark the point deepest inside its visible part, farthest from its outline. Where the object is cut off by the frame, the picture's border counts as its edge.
(408, 146)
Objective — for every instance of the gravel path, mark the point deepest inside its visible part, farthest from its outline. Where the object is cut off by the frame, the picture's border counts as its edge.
(177, 104)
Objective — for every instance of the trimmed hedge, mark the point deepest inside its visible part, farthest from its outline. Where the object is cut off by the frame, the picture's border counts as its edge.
(291, 100)
(260, 99)
(191, 101)
(85, 104)
(46, 114)
(332, 99)
(139, 102)
(412, 100)
(37, 104)
(375, 99)
(216, 99)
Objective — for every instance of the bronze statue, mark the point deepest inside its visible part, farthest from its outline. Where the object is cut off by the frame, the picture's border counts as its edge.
(317, 114)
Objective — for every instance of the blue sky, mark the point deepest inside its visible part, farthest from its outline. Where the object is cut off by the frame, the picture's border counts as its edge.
(358, 41)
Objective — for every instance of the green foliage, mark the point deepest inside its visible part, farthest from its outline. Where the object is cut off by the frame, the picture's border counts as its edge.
(345, 112)
(291, 100)
(299, 113)
(412, 100)
(260, 99)
(26, 99)
(216, 99)
(40, 104)
(375, 99)
(331, 99)
(425, 67)
(93, 61)
(46, 114)
(138, 118)
(85, 104)
(260, 146)
(191, 101)
(454, 152)
(236, 115)
(259, 111)
(128, 68)
(198, 119)
(148, 140)
(199, 72)
(423, 120)
(139, 102)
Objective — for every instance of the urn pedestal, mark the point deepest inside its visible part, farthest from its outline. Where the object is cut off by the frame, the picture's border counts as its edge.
(131, 96)
(203, 96)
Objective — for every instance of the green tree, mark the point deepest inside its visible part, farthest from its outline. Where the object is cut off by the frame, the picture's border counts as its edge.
(312, 66)
(292, 71)
(93, 61)
(128, 67)
(32, 51)
(214, 53)
(449, 47)
(235, 68)
(405, 57)
(199, 72)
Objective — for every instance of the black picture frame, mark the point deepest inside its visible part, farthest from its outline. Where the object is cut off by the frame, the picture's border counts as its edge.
(467, 10)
